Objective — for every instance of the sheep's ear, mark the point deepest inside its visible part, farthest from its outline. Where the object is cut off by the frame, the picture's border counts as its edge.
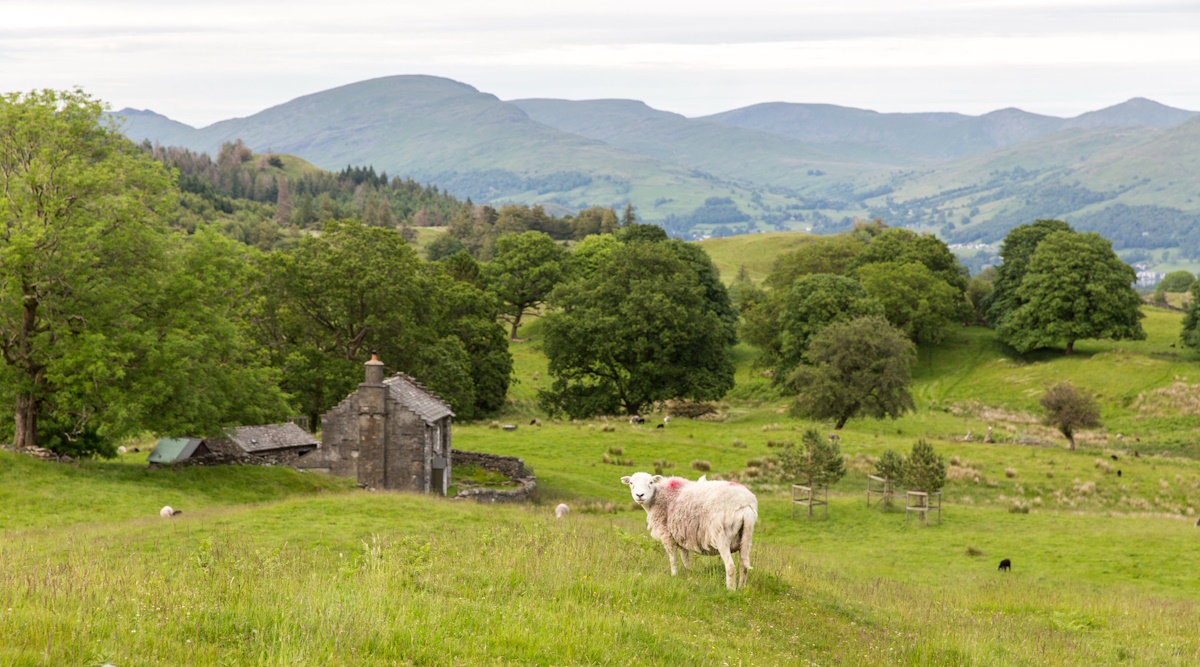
(658, 479)
(625, 480)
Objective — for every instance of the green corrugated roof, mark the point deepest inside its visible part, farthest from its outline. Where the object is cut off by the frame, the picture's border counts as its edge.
(170, 450)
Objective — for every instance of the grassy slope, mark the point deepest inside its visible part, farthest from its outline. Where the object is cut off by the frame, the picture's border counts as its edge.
(757, 252)
(1105, 568)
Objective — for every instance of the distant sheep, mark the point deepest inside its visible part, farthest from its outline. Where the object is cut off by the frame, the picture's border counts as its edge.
(562, 510)
(166, 512)
(660, 426)
(667, 419)
(637, 419)
(704, 517)
(121, 449)
(1005, 565)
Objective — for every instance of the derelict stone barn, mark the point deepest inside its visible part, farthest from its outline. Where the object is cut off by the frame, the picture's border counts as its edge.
(389, 434)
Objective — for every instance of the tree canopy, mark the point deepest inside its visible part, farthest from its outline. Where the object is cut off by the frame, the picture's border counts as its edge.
(110, 323)
(813, 303)
(1075, 287)
(857, 367)
(915, 300)
(335, 297)
(523, 270)
(1015, 254)
(638, 329)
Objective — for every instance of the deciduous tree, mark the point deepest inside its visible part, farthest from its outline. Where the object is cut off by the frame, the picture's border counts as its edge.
(1075, 288)
(523, 271)
(636, 330)
(858, 367)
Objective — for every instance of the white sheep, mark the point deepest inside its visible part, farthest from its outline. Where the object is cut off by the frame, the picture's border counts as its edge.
(562, 510)
(121, 449)
(166, 512)
(703, 517)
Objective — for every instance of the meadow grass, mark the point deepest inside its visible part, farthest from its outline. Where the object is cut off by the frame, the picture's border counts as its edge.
(269, 566)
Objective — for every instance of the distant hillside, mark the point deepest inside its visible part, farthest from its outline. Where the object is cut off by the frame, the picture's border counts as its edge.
(1136, 186)
(935, 135)
(441, 131)
(1129, 171)
(724, 150)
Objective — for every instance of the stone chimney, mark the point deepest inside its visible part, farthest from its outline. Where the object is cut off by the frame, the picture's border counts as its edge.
(372, 415)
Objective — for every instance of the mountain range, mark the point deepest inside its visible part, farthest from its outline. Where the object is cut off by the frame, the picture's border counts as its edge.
(1133, 167)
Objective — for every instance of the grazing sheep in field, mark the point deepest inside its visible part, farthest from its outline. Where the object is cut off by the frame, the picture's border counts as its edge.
(660, 426)
(636, 419)
(704, 517)
(166, 512)
(667, 419)
(121, 449)
(1005, 565)
(562, 510)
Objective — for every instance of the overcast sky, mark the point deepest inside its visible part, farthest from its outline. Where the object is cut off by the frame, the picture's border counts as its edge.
(203, 61)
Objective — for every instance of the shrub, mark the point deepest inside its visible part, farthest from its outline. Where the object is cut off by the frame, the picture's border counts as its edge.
(1069, 409)
(616, 451)
(1019, 507)
(690, 409)
(1010, 472)
(702, 466)
(739, 444)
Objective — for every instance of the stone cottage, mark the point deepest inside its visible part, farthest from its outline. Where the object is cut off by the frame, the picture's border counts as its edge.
(389, 434)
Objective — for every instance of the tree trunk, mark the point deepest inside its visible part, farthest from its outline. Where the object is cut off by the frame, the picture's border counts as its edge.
(516, 323)
(1070, 441)
(1070, 349)
(841, 422)
(25, 417)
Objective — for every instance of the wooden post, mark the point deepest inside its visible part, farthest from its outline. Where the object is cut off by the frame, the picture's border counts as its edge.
(804, 495)
(880, 486)
(923, 503)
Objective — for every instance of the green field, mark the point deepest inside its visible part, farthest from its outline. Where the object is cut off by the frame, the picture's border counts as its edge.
(268, 566)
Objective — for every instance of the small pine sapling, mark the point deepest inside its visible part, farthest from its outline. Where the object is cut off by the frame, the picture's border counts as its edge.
(925, 469)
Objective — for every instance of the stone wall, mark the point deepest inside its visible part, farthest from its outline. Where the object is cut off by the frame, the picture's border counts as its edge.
(528, 485)
(509, 466)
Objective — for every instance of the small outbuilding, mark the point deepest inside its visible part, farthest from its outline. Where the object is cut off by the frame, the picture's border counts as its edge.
(175, 450)
(389, 434)
(277, 443)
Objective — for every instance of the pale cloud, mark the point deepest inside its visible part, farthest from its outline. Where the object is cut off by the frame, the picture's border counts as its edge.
(204, 61)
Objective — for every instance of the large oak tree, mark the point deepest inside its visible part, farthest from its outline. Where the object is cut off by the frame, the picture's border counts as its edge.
(638, 329)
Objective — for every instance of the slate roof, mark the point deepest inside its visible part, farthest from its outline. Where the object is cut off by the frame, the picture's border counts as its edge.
(414, 396)
(272, 436)
(170, 450)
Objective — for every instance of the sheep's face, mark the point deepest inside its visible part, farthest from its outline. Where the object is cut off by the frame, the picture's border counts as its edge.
(642, 486)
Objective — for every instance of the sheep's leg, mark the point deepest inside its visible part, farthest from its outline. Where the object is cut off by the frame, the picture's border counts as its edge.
(730, 566)
(669, 544)
(683, 554)
(745, 556)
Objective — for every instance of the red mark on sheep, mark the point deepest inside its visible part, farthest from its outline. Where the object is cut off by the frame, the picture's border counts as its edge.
(734, 484)
(673, 484)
